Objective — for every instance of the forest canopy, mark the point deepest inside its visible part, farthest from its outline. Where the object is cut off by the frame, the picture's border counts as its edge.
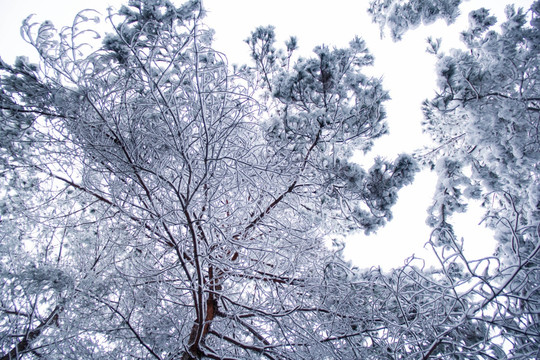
(157, 203)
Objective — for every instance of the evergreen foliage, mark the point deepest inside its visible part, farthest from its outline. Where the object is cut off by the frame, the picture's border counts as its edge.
(402, 15)
(156, 203)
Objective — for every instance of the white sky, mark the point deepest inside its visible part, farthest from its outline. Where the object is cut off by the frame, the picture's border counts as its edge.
(407, 71)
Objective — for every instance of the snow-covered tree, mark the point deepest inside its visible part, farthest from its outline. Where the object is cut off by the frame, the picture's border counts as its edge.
(485, 120)
(158, 204)
(402, 15)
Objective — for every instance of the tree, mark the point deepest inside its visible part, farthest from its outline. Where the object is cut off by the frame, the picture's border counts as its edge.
(484, 121)
(158, 204)
(400, 15)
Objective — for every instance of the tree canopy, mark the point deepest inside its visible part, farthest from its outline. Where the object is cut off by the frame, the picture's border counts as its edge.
(399, 16)
(157, 203)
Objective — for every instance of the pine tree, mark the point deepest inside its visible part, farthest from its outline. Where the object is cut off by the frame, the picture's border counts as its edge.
(399, 16)
(484, 120)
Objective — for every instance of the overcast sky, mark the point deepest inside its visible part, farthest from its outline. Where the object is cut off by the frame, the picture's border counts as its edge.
(407, 71)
